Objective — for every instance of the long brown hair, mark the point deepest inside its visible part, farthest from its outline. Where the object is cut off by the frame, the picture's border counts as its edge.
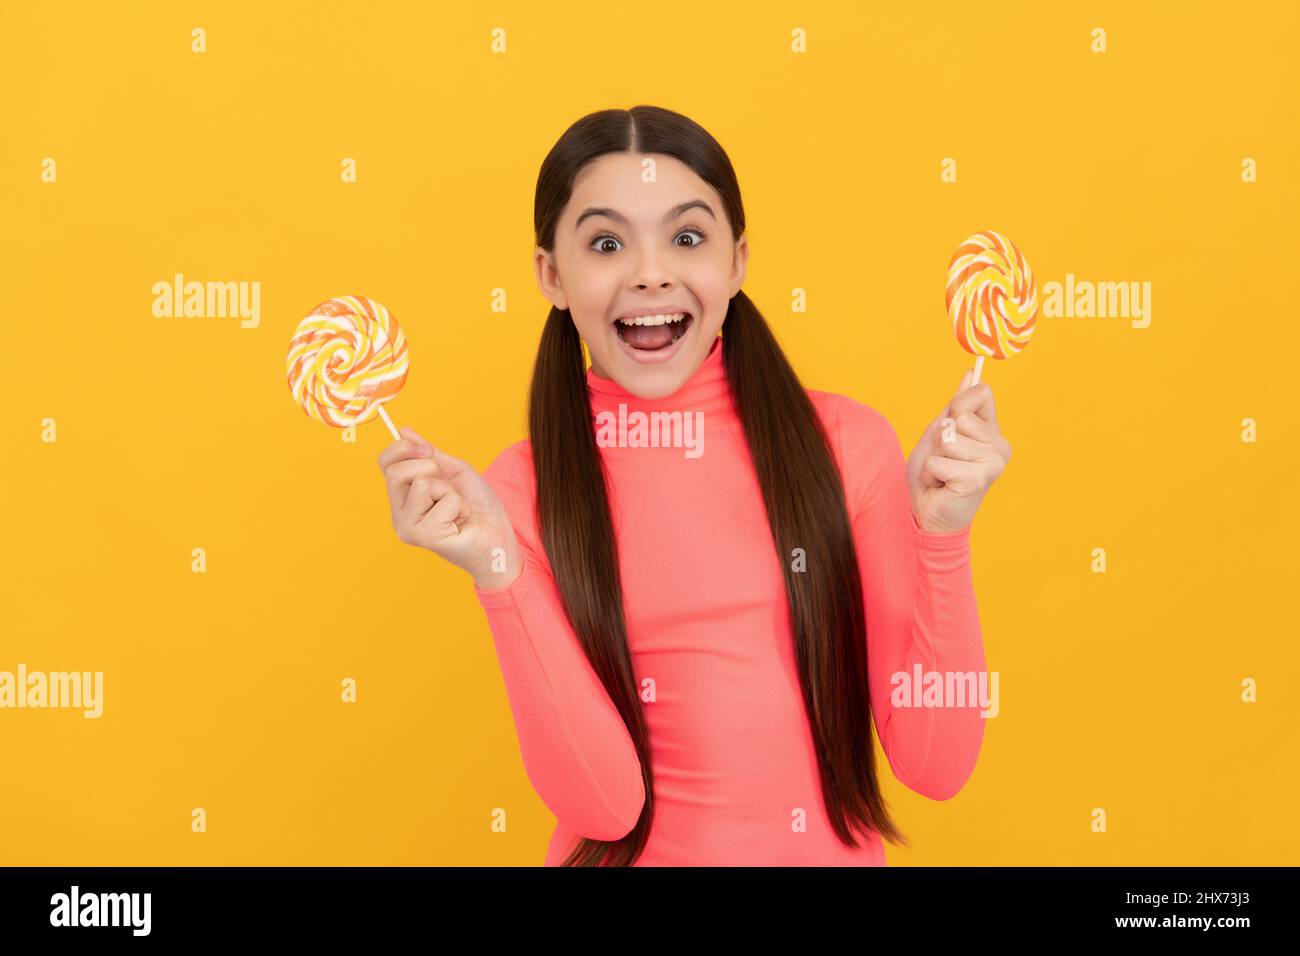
(802, 492)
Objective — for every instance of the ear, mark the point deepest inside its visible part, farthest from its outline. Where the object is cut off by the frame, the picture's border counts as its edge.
(548, 278)
(738, 263)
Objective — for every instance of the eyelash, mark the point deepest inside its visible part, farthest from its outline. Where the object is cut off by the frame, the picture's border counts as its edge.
(605, 235)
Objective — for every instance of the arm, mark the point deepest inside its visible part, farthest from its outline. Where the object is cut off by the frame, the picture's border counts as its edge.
(576, 749)
(920, 609)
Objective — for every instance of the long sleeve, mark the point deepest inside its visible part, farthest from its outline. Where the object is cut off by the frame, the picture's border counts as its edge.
(921, 613)
(576, 750)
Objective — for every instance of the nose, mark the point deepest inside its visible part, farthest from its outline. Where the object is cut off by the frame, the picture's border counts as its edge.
(650, 273)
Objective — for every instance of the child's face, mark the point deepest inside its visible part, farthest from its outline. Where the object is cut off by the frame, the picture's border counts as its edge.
(606, 267)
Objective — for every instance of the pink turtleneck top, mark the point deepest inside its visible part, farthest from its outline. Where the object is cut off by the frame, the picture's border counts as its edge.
(735, 771)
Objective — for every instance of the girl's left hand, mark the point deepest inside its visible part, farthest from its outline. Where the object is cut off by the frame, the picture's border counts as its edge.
(956, 461)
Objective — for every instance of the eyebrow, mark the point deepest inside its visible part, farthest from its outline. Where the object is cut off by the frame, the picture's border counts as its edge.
(619, 217)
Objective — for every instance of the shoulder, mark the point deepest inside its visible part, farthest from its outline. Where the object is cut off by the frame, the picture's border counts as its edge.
(853, 425)
(864, 441)
(512, 458)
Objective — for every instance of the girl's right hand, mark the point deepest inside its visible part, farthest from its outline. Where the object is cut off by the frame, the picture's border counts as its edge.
(441, 503)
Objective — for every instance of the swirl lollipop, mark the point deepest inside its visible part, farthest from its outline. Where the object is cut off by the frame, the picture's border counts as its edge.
(991, 297)
(346, 359)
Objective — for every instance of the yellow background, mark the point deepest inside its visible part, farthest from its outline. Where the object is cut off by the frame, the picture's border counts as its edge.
(1119, 690)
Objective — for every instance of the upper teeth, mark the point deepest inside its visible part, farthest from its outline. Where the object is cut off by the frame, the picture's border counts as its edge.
(654, 319)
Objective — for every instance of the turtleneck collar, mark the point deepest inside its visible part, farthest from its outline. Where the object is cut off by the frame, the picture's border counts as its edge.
(706, 390)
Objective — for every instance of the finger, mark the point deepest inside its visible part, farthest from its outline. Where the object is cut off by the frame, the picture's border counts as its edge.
(409, 507)
(972, 426)
(406, 431)
(402, 450)
(423, 496)
(425, 446)
(438, 489)
(946, 470)
(445, 512)
(978, 401)
(450, 466)
(960, 447)
(403, 473)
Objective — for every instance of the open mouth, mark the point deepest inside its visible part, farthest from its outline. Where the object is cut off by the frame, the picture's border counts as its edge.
(651, 333)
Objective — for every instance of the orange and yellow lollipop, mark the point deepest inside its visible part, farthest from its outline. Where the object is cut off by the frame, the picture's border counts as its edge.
(346, 359)
(991, 297)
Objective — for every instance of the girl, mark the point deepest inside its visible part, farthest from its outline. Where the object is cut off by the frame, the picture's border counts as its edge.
(702, 579)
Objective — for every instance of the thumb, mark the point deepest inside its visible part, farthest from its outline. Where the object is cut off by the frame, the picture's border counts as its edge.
(409, 433)
(450, 464)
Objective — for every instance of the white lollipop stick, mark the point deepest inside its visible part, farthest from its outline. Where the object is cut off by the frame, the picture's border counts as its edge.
(387, 421)
(979, 363)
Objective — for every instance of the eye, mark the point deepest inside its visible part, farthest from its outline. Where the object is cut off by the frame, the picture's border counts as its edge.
(698, 232)
(604, 237)
(598, 241)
